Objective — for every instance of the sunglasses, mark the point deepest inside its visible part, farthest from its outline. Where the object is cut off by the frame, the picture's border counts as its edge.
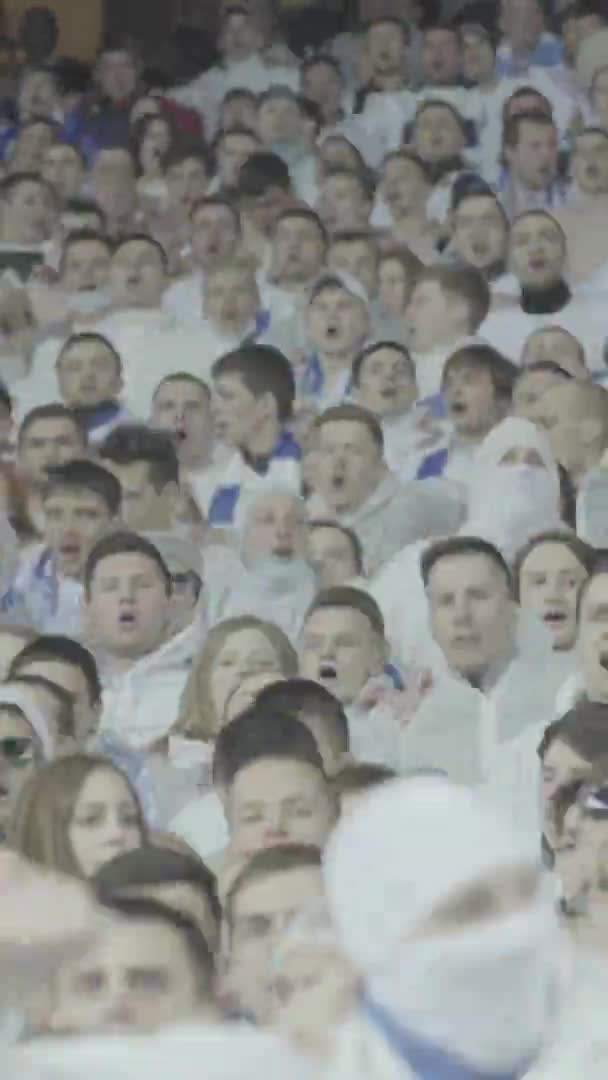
(17, 752)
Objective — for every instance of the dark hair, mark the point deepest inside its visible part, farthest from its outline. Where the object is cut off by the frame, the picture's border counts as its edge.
(14, 180)
(369, 350)
(54, 411)
(544, 366)
(82, 236)
(513, 124)
(527, 91)
(65, 719)
(184, 376)
(544, 214)
(304, 213)
(502, 371)
(253, 736)
(89, 337)
(584, 729)
(138, 909)
(466, 283)
(442, 103)
(129, 443)
(406, 154)
(85, 475)
(215, 201)
(123, 543)
(275, 860)
(260, 172)
(363, 179)
(157, 866)
(583, 553)
(361, 776)
(461, 545)
(347, 596)
(6, 401)
(352, 414)
(144, 238)
(310, 703)
(58, 648)
(481, 190)
(85, 206)
(186, 149)
(263, 370)
(324, 58)
(350, 534)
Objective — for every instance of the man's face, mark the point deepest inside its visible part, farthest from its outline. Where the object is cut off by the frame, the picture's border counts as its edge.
(234, 150)
(278, 801)
(72, 679)
(73, 522)
(593, 639)
(386, 50)
(395, 286)
(117, 75)
(86, 266)
(349, 465)
(387, 383)
(437, 134)
(480, 232)
(231, 301)
(31, 145)
(298, 251)
(276, 527)
(322, 84)
(430, 315)
(88, 374)
(137, 275)
(590, 163)
(471, 400)
(240, 110)
(143, 507)
(522, 23)
(340, 650)
(262, 911)
(46, 443)
(343, 204)
(187, 182)
(235, 410)
(214, 235)
(128, 607)
(358, 258)
(239, 38)
(478, 58)
(549, 583)
(184, 409)
(558, 415)
(337, 322)
(404, 187)
(332, 556)
(279, 121)
(30, 213)
(441, 57)
(138, 976)
(529, 390)
(263, 211)
(533, 160)
(537, 251)
(113, 177)
(62, 167)
(559, 346)
(20, 756)
(472, 614)
(37, 96)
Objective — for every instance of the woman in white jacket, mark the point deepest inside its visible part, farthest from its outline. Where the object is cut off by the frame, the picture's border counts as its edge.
(452, 931)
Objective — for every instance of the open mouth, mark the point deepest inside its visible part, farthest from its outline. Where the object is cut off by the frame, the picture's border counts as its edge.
(70, 551)
(458, 408)
(327, 670)
(537, 263)
(555, 618)
(127, 618)
(337, 482)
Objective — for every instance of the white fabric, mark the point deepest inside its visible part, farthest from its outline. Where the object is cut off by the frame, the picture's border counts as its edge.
(53, 603)
(485, 993)
(206, 93)
(184, 298)
(279, 593)
(140, 706)
(508, 504)
(508, 328)
(202, 824)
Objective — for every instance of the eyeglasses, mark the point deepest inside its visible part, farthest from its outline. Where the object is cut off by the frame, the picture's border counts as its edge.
(17, 752)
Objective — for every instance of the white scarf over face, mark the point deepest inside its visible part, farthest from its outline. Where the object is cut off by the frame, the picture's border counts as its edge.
(508, 504)
(484, 991)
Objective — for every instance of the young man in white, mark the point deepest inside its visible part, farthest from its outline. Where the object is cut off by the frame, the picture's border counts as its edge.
(215, 232)
(128, 613)
(49, 435)
(353, 484)
(337, 325)
(89, 374)
(297, 255)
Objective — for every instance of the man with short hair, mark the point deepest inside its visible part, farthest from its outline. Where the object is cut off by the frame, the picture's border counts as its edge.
(297, 255)
(353, 484)
(583, 217)
(281, 128)
(337, 324)
(526, 42)
(49, 435)
(182, 406)
(67, 664)
(113, 187)
(28, 212)
(531, 179)
(127, 611)
(575, 418)
(146, 466)
(63, 167)
(89, 374)
(214, 235)
(80, 502)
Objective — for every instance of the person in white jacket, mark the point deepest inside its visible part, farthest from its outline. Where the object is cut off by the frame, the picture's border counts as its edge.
(590, 679)
(128, 611)
(452, 932)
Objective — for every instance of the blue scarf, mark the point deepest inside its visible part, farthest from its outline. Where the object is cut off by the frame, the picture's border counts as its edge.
(427, 1061)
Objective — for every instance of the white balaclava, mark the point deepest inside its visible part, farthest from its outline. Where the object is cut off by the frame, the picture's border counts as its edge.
(486, 992)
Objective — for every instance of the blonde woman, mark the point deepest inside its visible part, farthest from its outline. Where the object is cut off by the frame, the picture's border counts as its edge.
(76, 814)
